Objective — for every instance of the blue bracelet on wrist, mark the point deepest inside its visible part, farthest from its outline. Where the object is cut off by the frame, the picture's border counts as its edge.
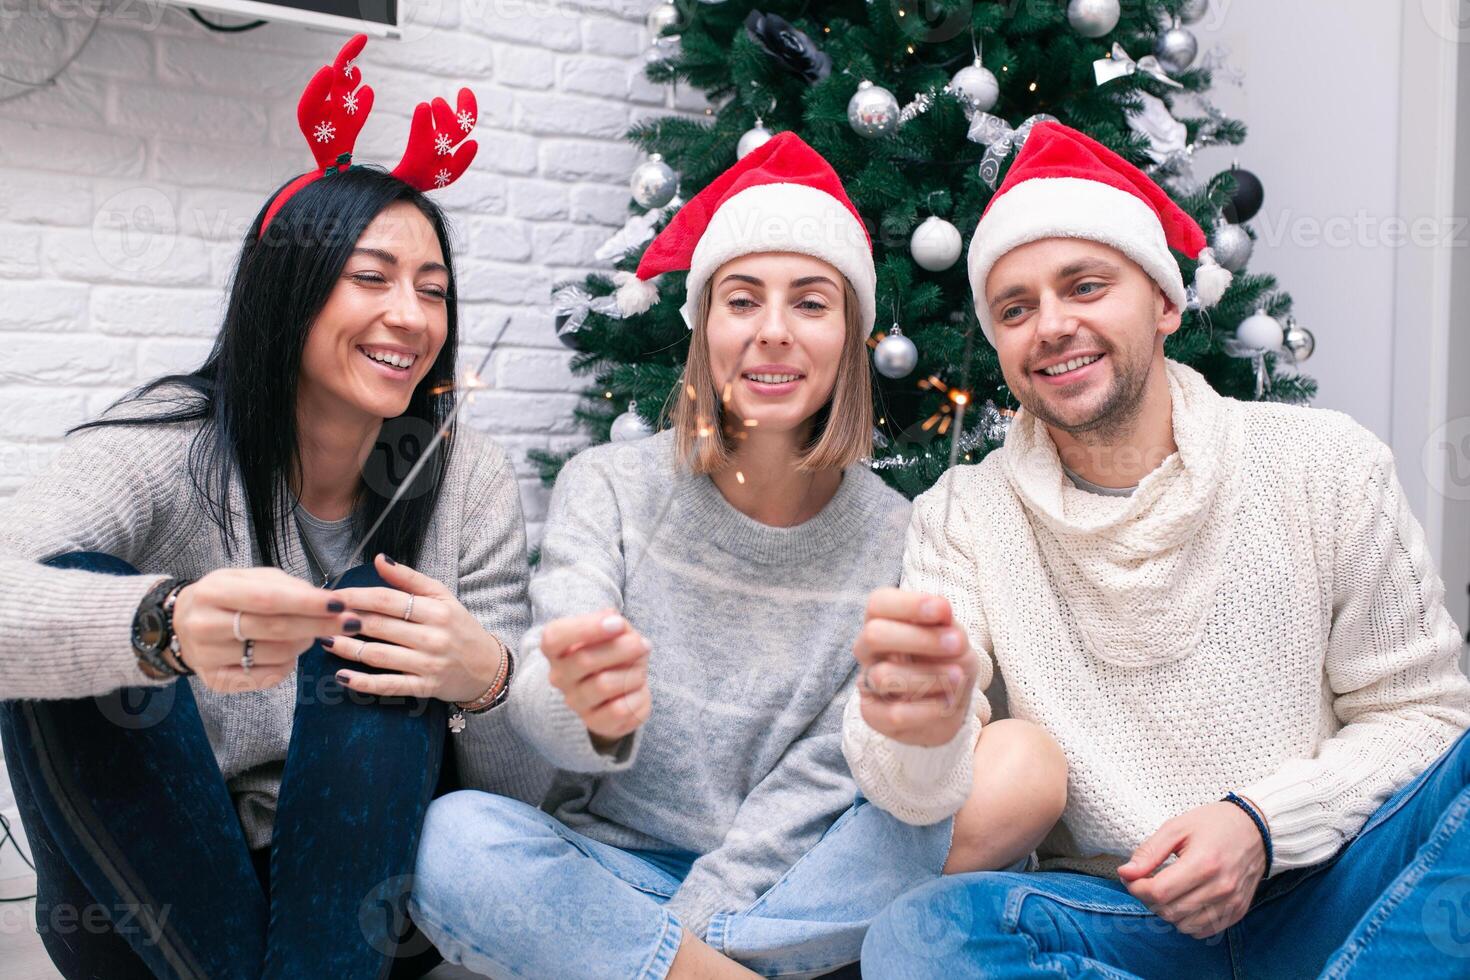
(1260, 823)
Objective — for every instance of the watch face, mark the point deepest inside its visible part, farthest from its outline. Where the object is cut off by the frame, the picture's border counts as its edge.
(149, 627)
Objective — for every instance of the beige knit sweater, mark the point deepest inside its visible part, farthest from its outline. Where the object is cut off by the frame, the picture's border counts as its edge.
(126, 491)
(1260, 616)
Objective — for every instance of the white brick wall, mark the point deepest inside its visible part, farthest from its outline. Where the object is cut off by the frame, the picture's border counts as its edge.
(125, 190)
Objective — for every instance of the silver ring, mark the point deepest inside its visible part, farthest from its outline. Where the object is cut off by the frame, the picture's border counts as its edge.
(866, 682)
(239, 637)
(361, 646)
(247, 659)
(409, 611)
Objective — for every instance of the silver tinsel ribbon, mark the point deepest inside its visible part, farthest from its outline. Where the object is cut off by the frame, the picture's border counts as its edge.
(1284, 356)
(991, 427)
(574, 303)
(635, 232)
(999, 139)
(1118, 64)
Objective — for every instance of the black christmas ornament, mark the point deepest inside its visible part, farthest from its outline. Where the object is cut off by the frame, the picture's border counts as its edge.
(1247, 199)
(567, 337)
(791, 48)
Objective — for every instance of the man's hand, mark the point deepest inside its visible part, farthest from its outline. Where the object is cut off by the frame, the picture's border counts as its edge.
(918, 670)
(1221, 859)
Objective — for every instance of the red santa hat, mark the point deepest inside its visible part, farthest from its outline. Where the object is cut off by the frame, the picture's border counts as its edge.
(781, 197)
(1064, 184)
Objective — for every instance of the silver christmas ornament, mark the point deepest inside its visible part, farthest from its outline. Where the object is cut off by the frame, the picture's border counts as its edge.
(654, 183)
(1176, 49)
(976, 87)
(630, 425)
(1260, 332)
(1093, 18)
(935, 244)
(1232, 246)
(895, 356)
(1299, 340)
(1194, 11)
(753, 137)
(662, 17)
(872, 111)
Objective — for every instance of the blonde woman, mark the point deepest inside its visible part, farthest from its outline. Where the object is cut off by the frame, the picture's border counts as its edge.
(694, 618)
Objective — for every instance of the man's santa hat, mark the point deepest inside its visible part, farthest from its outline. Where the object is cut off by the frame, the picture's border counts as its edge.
(1064, 184)
(781, 197)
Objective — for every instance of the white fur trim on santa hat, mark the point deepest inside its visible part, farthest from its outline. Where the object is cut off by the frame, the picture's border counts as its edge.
(1070, 207)
(785, 218)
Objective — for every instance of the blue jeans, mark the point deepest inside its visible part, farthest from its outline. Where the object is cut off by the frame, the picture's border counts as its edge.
(509, 891)
(142, 867)
(1395, 899)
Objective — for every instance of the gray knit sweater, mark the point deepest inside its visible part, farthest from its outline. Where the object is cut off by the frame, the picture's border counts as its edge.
(752, 629)
(126, 491)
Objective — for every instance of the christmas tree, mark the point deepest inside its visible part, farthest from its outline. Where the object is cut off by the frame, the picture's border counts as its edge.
(919, 105)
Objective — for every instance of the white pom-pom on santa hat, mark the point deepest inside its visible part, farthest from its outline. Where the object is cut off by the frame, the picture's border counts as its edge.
(635, 295)
(1211, 279)
(1065, 184)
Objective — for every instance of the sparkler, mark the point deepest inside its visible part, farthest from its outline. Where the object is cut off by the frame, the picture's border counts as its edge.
(472, 382)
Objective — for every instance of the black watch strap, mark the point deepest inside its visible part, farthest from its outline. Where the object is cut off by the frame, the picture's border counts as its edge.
(152, 631)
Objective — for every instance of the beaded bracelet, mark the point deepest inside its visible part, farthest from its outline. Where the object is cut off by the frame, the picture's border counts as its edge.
(1260, 823)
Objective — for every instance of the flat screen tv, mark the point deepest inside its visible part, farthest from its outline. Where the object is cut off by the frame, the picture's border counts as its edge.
(376, 18)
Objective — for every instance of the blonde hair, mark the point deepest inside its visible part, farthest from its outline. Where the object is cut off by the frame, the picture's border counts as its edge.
(843, 429)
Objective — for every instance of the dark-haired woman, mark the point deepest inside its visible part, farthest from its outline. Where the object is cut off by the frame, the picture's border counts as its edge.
(259, 816)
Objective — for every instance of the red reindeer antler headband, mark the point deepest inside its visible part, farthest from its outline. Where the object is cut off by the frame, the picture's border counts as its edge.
(331, 113)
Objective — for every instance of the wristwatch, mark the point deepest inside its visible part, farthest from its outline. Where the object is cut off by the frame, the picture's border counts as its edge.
(153, 631)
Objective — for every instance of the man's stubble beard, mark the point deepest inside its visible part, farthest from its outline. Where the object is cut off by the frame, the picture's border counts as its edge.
(1121, 406)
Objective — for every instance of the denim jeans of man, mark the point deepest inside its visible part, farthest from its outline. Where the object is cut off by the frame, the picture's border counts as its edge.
(142, 866)
(509, 891)
(1394, 901)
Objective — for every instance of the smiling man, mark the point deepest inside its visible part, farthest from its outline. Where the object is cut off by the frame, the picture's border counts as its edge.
(1223, 612)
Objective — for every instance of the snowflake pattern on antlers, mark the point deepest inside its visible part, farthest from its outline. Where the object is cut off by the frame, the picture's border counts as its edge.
(335, 105)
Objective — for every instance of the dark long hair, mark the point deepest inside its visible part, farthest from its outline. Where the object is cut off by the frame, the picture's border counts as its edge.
(245, 392)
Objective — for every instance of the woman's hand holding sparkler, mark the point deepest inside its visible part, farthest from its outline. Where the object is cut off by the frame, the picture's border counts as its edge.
(415, 628)
(600, 664)
(241, 629)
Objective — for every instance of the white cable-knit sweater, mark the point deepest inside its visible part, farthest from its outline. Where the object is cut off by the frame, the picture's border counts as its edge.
(1261, 616)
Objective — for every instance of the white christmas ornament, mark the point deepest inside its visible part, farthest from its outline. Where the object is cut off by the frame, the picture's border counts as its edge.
(630, 425)
(654, 183)
(872, 111)
(1093, 18)
(663, 16)
(976, 87)
(1260, 331)
(758, 135)
(935, 244)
